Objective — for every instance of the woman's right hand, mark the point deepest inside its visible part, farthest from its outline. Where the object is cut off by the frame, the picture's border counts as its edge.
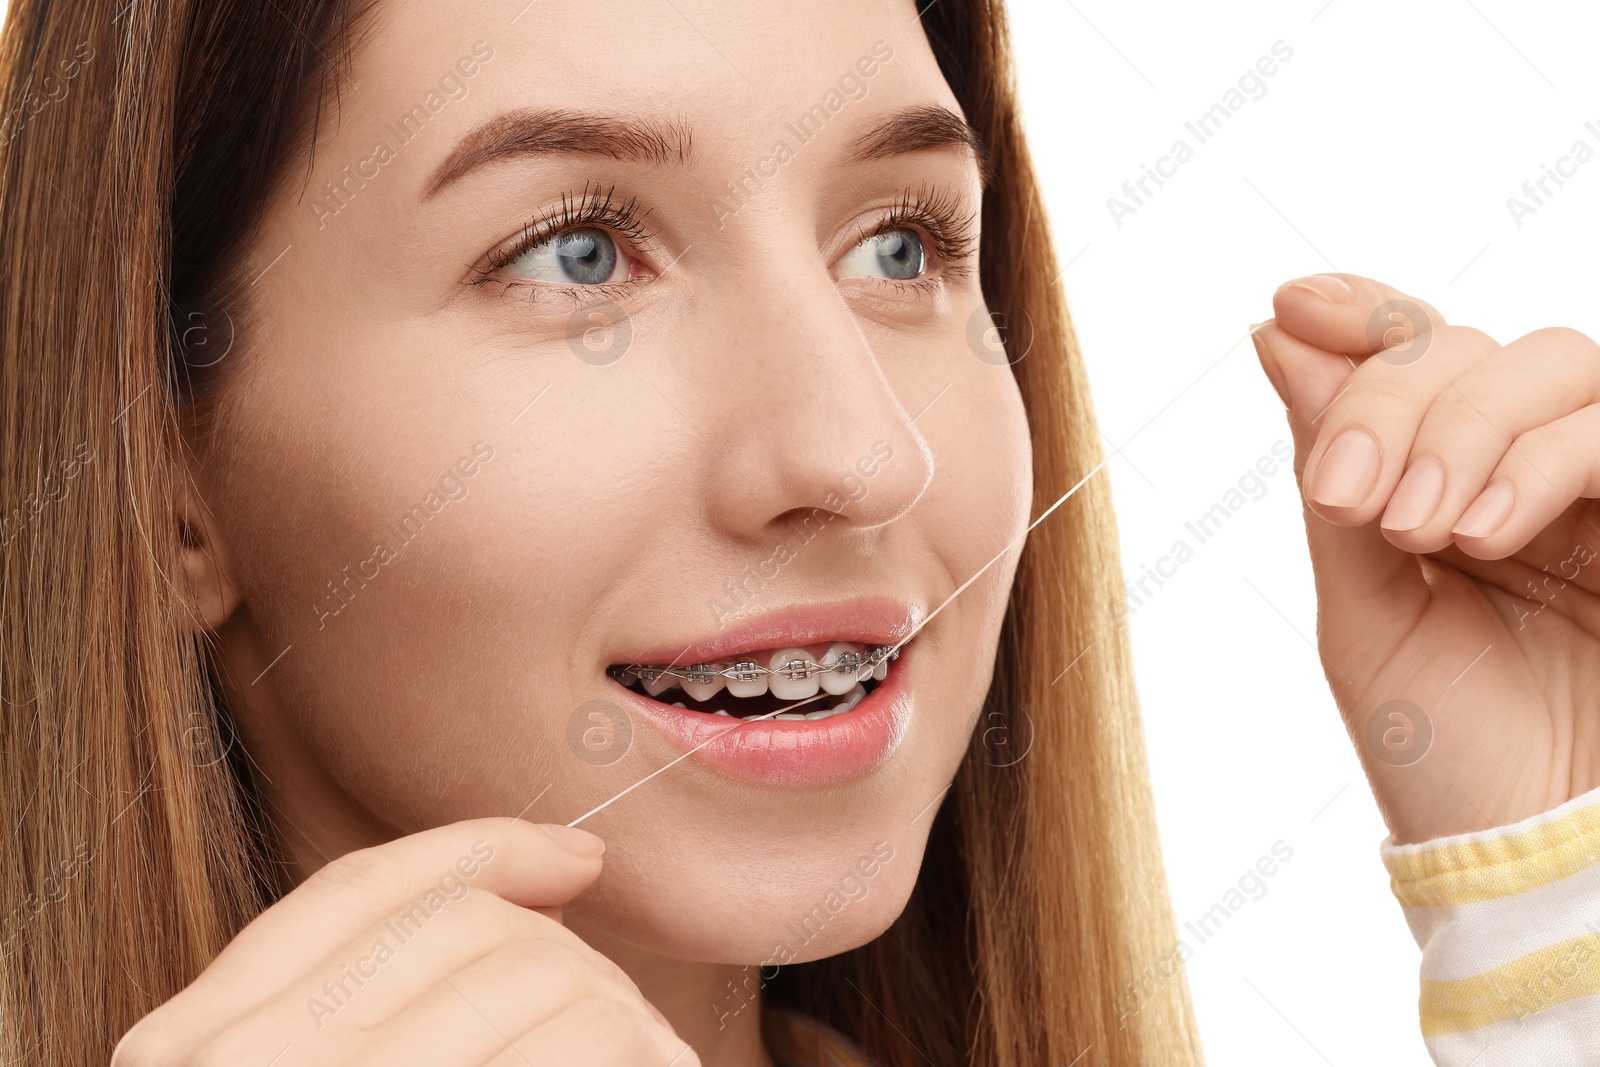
(445, 947)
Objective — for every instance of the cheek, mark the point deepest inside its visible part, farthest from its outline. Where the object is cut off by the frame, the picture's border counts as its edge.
(423, 568)
(981, 504)
(986, 458)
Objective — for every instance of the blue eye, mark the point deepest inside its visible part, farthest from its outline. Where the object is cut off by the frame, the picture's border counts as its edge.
(586, 256)
(897, 255)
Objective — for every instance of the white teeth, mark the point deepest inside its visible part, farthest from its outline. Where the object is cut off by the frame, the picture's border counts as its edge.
(703, 691)
(784, 687)
(755, 687)
(836, 682)
(662, 683)
(843, 706)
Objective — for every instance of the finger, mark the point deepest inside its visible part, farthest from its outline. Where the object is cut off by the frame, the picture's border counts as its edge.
(1465, 434)
(432, 991)
(1355, 315)
(467, 937)
(1536, 480)
(522, 862)
(1319, 375)
(598, 1032)
(1367, 588)
(517, 987)
(381, 972)
(1367, 431)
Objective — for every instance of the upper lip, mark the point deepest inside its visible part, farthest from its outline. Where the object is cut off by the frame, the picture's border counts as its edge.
(867, 620)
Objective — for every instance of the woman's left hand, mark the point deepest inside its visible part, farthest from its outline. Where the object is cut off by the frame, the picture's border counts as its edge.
(1456, 547)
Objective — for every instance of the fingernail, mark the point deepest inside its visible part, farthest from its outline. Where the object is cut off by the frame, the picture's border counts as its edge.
(1417, 496)
(1487, 513)
(1348, 469)
(1270, 366)
(1330, 287)
(576, 841)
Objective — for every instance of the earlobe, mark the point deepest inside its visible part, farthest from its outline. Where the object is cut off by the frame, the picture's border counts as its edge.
(206, 567)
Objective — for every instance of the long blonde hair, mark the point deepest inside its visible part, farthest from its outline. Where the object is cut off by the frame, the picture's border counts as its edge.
(137, 144)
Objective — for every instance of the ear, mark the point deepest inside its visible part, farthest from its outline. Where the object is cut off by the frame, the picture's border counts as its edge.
(207, 568)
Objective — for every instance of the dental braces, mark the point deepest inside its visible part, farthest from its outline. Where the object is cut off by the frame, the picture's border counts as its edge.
(747, 670)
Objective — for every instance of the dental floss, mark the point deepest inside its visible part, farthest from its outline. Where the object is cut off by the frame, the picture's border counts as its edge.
(915, 630)
(692, 751)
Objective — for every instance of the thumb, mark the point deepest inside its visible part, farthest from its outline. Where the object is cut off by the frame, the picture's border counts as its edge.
(1369, 592)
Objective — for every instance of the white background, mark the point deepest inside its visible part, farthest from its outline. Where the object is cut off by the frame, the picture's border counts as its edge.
(1386, 146)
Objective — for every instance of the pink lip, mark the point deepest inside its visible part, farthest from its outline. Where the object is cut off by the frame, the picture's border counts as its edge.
(868, 620)
(813, 753)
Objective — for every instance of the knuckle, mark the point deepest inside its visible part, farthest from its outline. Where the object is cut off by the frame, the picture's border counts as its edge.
(1539, 442)
(553, 961)
(225, 1050)
(1376, 400)
(147, 1044)
(1565, 339)
(475, 919)
(479, 904)
(1454, 414)
(1571, 346)
(593, 959)
(262, 1042)
(1469, 338)
(369, 871)
(607, 1015)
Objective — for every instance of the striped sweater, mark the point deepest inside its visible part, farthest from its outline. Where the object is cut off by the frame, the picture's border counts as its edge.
(1508, 921)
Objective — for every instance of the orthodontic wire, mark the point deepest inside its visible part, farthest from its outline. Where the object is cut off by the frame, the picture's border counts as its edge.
(915, 630)
(865, 659)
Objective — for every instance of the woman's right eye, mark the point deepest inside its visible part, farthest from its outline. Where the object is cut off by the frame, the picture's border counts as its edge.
(894, 255)
(587, 255)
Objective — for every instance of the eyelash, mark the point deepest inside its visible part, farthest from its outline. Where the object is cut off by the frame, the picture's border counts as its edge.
(936, 212)
(587, 208)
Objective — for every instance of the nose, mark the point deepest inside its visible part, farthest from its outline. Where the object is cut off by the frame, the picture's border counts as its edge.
(801, 416)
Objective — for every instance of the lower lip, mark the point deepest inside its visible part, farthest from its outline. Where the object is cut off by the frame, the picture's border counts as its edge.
(814, 752)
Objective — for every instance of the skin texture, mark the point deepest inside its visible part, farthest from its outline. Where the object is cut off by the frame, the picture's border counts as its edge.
(1489, 635)
(617, 500)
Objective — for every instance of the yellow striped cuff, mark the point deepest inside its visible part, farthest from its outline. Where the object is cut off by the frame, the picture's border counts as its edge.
(1473, 868)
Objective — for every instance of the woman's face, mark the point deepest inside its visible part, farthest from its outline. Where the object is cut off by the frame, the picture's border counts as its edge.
(734, 393)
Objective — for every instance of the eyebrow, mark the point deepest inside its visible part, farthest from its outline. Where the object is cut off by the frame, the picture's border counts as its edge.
(916, 129)
(557, 130)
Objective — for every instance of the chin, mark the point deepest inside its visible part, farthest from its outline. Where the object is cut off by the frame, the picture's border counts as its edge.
(739, 910)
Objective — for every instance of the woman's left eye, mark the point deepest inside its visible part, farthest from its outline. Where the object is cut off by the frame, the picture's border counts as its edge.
(894, 255)
(587, 255)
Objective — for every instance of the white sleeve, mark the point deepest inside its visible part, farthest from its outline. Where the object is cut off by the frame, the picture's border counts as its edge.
(1508, 921)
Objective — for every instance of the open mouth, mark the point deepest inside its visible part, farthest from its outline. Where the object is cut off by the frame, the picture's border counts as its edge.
(831, 677)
